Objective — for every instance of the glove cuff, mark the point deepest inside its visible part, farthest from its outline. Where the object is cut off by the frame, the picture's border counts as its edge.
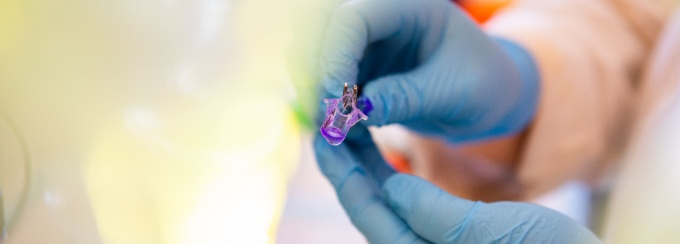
(524, 110)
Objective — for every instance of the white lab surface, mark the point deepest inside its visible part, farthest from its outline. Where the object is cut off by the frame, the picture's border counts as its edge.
(644, 206)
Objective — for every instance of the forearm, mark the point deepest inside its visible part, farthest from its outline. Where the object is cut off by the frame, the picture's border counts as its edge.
(588, 54)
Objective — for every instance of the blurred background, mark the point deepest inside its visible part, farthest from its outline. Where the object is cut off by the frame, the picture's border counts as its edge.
(166, 121)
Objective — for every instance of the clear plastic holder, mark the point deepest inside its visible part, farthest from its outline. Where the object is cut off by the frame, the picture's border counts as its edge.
(341, 114)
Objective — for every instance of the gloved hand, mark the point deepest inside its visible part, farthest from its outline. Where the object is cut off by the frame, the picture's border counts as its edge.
(426, 65)
(397, 208)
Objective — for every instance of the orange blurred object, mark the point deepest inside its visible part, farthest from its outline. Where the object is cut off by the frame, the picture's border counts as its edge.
(482, 10)
(398, 161)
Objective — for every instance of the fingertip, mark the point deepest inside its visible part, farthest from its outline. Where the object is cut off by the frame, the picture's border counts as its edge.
(344, 41)
(333, 86)
(373, 106)
(365, 105)
(389, 97)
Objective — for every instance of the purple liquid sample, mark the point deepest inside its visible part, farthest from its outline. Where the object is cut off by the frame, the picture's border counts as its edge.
(333, 135)
(341, 115)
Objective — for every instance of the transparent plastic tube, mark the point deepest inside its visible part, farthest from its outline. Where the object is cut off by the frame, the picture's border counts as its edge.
(341, 115)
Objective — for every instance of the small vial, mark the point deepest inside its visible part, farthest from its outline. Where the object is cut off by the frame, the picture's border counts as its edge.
(341, 114)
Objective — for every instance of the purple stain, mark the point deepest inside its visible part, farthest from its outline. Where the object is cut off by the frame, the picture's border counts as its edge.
(341, 115)
(364, 105)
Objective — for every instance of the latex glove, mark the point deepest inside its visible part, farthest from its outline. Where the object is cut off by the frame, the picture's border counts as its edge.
(426, 65)
(397, 208)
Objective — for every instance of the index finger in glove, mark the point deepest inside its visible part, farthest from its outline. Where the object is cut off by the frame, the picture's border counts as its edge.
(353, 26)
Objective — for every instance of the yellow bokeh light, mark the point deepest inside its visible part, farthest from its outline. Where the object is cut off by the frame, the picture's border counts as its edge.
(174, 113)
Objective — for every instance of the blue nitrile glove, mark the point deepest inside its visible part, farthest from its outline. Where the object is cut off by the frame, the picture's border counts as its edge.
(398, 208)
(427, 65)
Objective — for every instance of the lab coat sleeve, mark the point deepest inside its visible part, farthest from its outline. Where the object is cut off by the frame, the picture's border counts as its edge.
(589, 55)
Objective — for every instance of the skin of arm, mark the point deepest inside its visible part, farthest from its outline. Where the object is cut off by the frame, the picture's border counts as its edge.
(586, 85)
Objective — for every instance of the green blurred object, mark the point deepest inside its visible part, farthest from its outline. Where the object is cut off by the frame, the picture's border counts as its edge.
(309, 20)
(303, 118)
(300, 64)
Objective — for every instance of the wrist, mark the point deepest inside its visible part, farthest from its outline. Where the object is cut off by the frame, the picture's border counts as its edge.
(524, 109)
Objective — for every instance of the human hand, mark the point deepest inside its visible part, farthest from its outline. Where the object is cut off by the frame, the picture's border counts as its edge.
(396, 208)
(426, 65)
